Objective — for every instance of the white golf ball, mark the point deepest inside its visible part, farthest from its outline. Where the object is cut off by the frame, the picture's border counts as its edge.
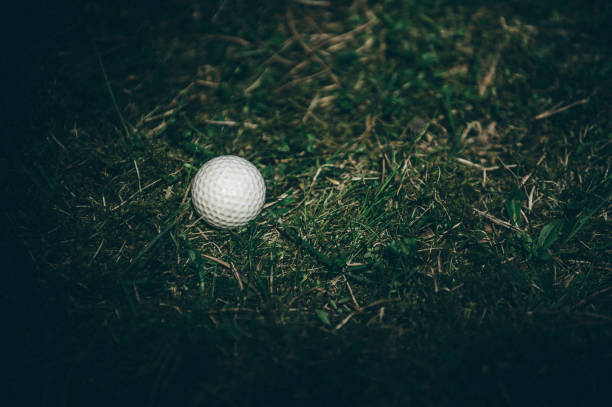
(228, 191)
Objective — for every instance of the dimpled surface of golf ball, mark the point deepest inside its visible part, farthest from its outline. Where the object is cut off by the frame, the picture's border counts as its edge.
(228, 191)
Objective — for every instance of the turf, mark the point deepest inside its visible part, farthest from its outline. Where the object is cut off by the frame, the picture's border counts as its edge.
(437, 223)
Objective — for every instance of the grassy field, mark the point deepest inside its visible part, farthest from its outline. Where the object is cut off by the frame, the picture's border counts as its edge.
(437, 227)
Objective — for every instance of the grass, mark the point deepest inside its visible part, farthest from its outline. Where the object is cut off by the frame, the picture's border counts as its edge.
(437, 224)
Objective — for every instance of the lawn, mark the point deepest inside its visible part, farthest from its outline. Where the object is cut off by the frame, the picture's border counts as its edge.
(437, 223)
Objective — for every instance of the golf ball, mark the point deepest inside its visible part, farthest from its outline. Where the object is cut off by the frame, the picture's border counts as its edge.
(228, 191)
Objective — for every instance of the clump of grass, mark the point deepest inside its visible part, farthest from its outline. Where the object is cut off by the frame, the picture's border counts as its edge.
(437, 216)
